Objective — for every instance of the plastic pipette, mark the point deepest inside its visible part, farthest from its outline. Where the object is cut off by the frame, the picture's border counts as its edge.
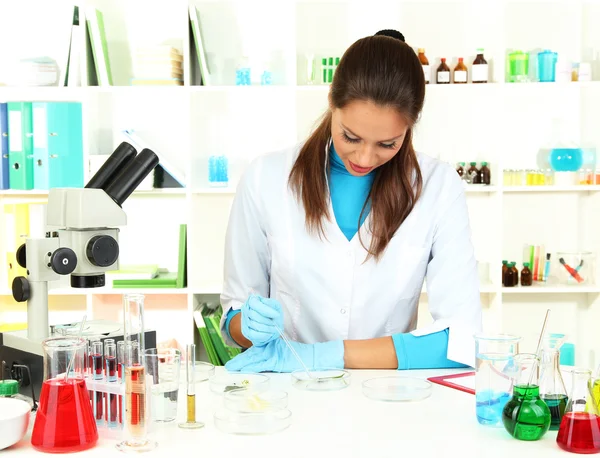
(296, 355)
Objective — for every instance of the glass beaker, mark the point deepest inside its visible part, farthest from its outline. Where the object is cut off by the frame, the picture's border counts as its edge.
(163, 376)
(64, 421)
(552, 386)
(494, 375)
(526, 416)
(135, 430)
(579, 430)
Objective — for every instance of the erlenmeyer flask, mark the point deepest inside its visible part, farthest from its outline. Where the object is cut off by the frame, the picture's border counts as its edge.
(525, 416)
(580, 427)
(64, 421)
(552, 386)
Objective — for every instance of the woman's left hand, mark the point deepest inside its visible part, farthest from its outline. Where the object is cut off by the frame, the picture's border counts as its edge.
(275, 356)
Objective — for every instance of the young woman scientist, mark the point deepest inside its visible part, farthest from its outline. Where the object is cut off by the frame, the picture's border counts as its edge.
(331, 242)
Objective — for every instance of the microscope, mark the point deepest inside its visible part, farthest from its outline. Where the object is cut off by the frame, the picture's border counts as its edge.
(82, 242)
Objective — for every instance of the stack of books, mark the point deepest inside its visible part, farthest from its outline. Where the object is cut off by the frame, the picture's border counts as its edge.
(157, 65)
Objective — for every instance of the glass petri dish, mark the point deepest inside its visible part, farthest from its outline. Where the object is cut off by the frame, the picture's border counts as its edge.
(397, 389)
(224, 383)
(324, 380)
(203, 371)
(252, 424)
(243, 401)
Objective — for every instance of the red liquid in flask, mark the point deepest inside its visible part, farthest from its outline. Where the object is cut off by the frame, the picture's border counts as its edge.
(64, 421)
(579, 433)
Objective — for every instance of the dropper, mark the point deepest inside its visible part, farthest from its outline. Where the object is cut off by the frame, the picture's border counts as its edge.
(73, 358)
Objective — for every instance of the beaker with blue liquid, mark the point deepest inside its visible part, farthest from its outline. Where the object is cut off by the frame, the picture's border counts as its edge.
(495, 371)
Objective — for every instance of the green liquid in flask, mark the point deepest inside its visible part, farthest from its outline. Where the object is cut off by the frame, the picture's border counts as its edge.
(526, 416)
(557, 403)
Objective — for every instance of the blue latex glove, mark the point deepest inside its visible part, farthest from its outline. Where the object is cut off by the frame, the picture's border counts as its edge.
(260, 319)
(277, 357)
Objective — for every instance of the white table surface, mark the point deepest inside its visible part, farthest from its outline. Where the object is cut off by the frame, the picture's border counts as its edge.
(339, 424)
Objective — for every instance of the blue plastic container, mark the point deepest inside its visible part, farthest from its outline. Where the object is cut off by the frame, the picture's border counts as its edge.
(566, 159)
(547, 66)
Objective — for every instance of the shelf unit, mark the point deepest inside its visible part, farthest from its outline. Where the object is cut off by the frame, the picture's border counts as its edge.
(504, 124)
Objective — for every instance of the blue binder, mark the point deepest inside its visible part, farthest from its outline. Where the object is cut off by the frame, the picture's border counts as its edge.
(20, 145)
(57, 145)
(4, 184)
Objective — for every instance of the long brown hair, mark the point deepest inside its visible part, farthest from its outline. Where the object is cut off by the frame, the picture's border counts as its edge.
(387, 72)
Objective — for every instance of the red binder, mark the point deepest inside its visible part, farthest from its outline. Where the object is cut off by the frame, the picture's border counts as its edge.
(447, 380)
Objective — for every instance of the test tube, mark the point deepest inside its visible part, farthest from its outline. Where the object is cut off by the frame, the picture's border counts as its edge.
(121, 375)
(190, 374)
(97, 375)
(110, 359)
(135, 431)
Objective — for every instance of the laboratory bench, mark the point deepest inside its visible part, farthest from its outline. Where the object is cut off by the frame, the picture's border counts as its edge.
(337, 424)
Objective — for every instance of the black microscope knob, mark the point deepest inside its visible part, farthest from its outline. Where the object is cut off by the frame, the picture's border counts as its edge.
(63, 261)
(102, 250)
(20, 289)
(21, 256)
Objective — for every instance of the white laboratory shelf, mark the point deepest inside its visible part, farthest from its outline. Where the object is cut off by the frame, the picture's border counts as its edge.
(536, 189)
(146, 192)
(228, 190)
(53, 292)
(553, 289)
(146, 291)
(208, 289)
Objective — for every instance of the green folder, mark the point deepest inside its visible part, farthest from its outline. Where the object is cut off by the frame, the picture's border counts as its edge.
(212, 319)
(164, 279)
(206, 340)
(20, 145)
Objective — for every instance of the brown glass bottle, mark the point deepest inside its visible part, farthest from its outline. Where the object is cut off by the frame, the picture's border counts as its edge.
(424, 64)
(526, 277)
(480, 68)
(509, 276)
(460, 169)
(473, 173)
(460, 72)
(443, 73)
(515, 272)
(504, 269)
(485, 174)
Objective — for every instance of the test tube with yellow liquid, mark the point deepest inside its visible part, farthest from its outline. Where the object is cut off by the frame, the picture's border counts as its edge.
(190, 374)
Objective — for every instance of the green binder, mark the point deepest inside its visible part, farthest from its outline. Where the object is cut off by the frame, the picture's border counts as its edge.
(206, 340)
(164, 279)
(212, 319)
(20, 145)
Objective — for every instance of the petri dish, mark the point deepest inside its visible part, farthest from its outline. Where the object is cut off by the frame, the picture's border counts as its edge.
(252, 424)
(202, 372)
(243, 401)
(397, 389)
(224, 383)
(324, 380)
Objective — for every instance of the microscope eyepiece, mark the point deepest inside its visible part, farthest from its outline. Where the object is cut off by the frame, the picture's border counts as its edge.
(131, 176)
(113, 166)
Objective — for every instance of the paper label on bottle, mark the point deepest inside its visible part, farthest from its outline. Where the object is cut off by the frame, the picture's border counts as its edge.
(460, 76)
(480, 72)
(443, 77)
(426, 72)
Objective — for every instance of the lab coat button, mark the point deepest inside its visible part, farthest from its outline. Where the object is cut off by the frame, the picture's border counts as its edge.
(343, 311)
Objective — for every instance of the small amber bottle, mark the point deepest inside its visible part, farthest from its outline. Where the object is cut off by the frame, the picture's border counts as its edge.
(480, 68)
(504, 269)
(526, 277)
(460, 169)
(460, 72)
(485, 174)
(515, 272)
(473, 173)
(424, 64)
(443, 73)
(509, 276)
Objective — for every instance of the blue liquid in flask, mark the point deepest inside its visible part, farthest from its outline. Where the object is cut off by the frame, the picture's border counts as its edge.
(566, 159)
(489, 406)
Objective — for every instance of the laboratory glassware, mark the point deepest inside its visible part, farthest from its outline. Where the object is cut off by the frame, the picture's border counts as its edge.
(190, 379)
(579, 430)
(110, 363)
(552, 386)
(252, 424)
(135, 430)
(397, 388)
(494, 370)
(223, 383)
(526, 416)
(163, 375)
(64, 421)
(518, 67)
(547, 66)
(321, 380)
(243, 401)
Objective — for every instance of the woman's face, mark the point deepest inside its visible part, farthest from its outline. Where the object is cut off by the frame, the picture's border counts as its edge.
(366, 135)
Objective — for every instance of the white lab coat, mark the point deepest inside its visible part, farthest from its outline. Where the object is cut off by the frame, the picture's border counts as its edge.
(327, 290)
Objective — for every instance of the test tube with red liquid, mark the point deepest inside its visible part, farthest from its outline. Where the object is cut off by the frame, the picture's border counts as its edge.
(121, 376)
(110, 361)
(97, 374)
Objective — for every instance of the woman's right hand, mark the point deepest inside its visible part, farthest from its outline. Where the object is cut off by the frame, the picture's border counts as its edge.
(262, 319)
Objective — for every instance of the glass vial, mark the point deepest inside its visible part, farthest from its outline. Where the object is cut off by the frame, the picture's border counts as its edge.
(480, 68)
(424, 64)
(460, 169)
(504, 269)
(460, 72)
(473, 173)
(526, 277)
(443, 73)
(526, 416)
(515, 271)
(485, 174)
(509, 276)
(218, 171)
(552, 386)
(579, 430)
